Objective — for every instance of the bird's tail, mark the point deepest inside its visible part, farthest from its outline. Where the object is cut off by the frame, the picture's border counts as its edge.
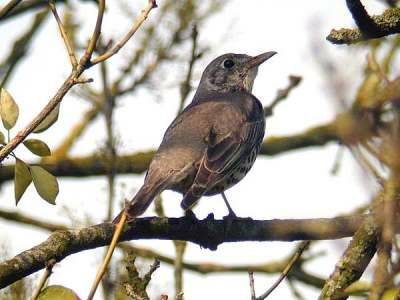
(141, 201)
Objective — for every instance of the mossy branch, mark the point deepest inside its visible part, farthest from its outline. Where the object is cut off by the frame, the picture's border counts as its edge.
(208, 233)
(385, 24)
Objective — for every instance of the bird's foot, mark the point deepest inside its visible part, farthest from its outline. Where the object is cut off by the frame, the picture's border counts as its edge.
(190, 214)
(231, 216)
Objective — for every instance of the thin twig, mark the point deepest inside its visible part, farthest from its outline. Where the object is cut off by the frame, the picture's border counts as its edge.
(109, 254)
(365, 164)
(282, 94)
(20, 48)
(43, 279)
(185, 86)
(143, 16)
(299, 251)
(8, 8)
(64, 35)
(180, 247)
(252, 289)
(85, 59)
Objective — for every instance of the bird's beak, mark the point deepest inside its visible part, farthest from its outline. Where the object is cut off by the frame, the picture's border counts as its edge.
(259, 59)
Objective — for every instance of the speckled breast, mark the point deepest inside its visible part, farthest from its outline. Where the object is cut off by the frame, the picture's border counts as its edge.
(237, 173)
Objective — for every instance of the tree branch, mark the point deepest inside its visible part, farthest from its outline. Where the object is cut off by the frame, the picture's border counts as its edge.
(354, 261)
(21, 218)
(364, 22)
(143, 16)
(208, 233)
(385, 24)
(6, 9)
(72, 79)
(138, 162)
(64, 35)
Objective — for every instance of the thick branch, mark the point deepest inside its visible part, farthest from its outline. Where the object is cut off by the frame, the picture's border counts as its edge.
(208, 233)
(354, 261)
(364, 22)
(385, 24)
(270, 267)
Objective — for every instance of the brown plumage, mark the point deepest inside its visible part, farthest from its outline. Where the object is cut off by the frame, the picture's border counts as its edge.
(213, 142)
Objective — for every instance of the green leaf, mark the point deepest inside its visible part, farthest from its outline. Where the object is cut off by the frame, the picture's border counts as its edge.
(37, 147)
(45, 183)
(57, 292)
(22, 179)
(49, 120)
(2, 138)
(9, 110)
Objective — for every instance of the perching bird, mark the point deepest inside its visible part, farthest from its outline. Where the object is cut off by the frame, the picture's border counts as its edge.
(209, 147)
(214, 141)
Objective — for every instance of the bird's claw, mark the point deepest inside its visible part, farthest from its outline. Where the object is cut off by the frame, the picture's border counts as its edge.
(190, 214)
(231, 216)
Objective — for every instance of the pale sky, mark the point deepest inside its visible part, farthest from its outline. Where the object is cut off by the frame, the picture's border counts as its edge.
(294, 185)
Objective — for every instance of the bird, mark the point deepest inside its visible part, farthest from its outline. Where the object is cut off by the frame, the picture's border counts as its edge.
(212, 144)
(209, 147)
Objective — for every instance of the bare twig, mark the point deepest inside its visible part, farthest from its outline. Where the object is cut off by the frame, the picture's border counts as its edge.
(381, 279)
(85, 59)
(282, 94)
(299, 251)
(64, 35)
(252, 289)
(20, 48)
(185, 86)
(103, 267)
(43, 279)
(143, 16)
(180, 247)
(136, 286)
(6, 9)
(24, 219)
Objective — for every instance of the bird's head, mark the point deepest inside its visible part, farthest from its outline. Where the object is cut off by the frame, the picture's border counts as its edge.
(232, 72)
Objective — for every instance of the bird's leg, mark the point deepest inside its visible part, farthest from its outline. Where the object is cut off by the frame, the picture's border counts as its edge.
(231, 213)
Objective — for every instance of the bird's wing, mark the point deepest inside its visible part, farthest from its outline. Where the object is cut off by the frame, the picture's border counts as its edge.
(225, 151)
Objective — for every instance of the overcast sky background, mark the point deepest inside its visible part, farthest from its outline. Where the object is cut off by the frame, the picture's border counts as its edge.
(293, 185)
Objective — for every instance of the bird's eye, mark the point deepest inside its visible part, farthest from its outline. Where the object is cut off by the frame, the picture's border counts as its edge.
(228, 63)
